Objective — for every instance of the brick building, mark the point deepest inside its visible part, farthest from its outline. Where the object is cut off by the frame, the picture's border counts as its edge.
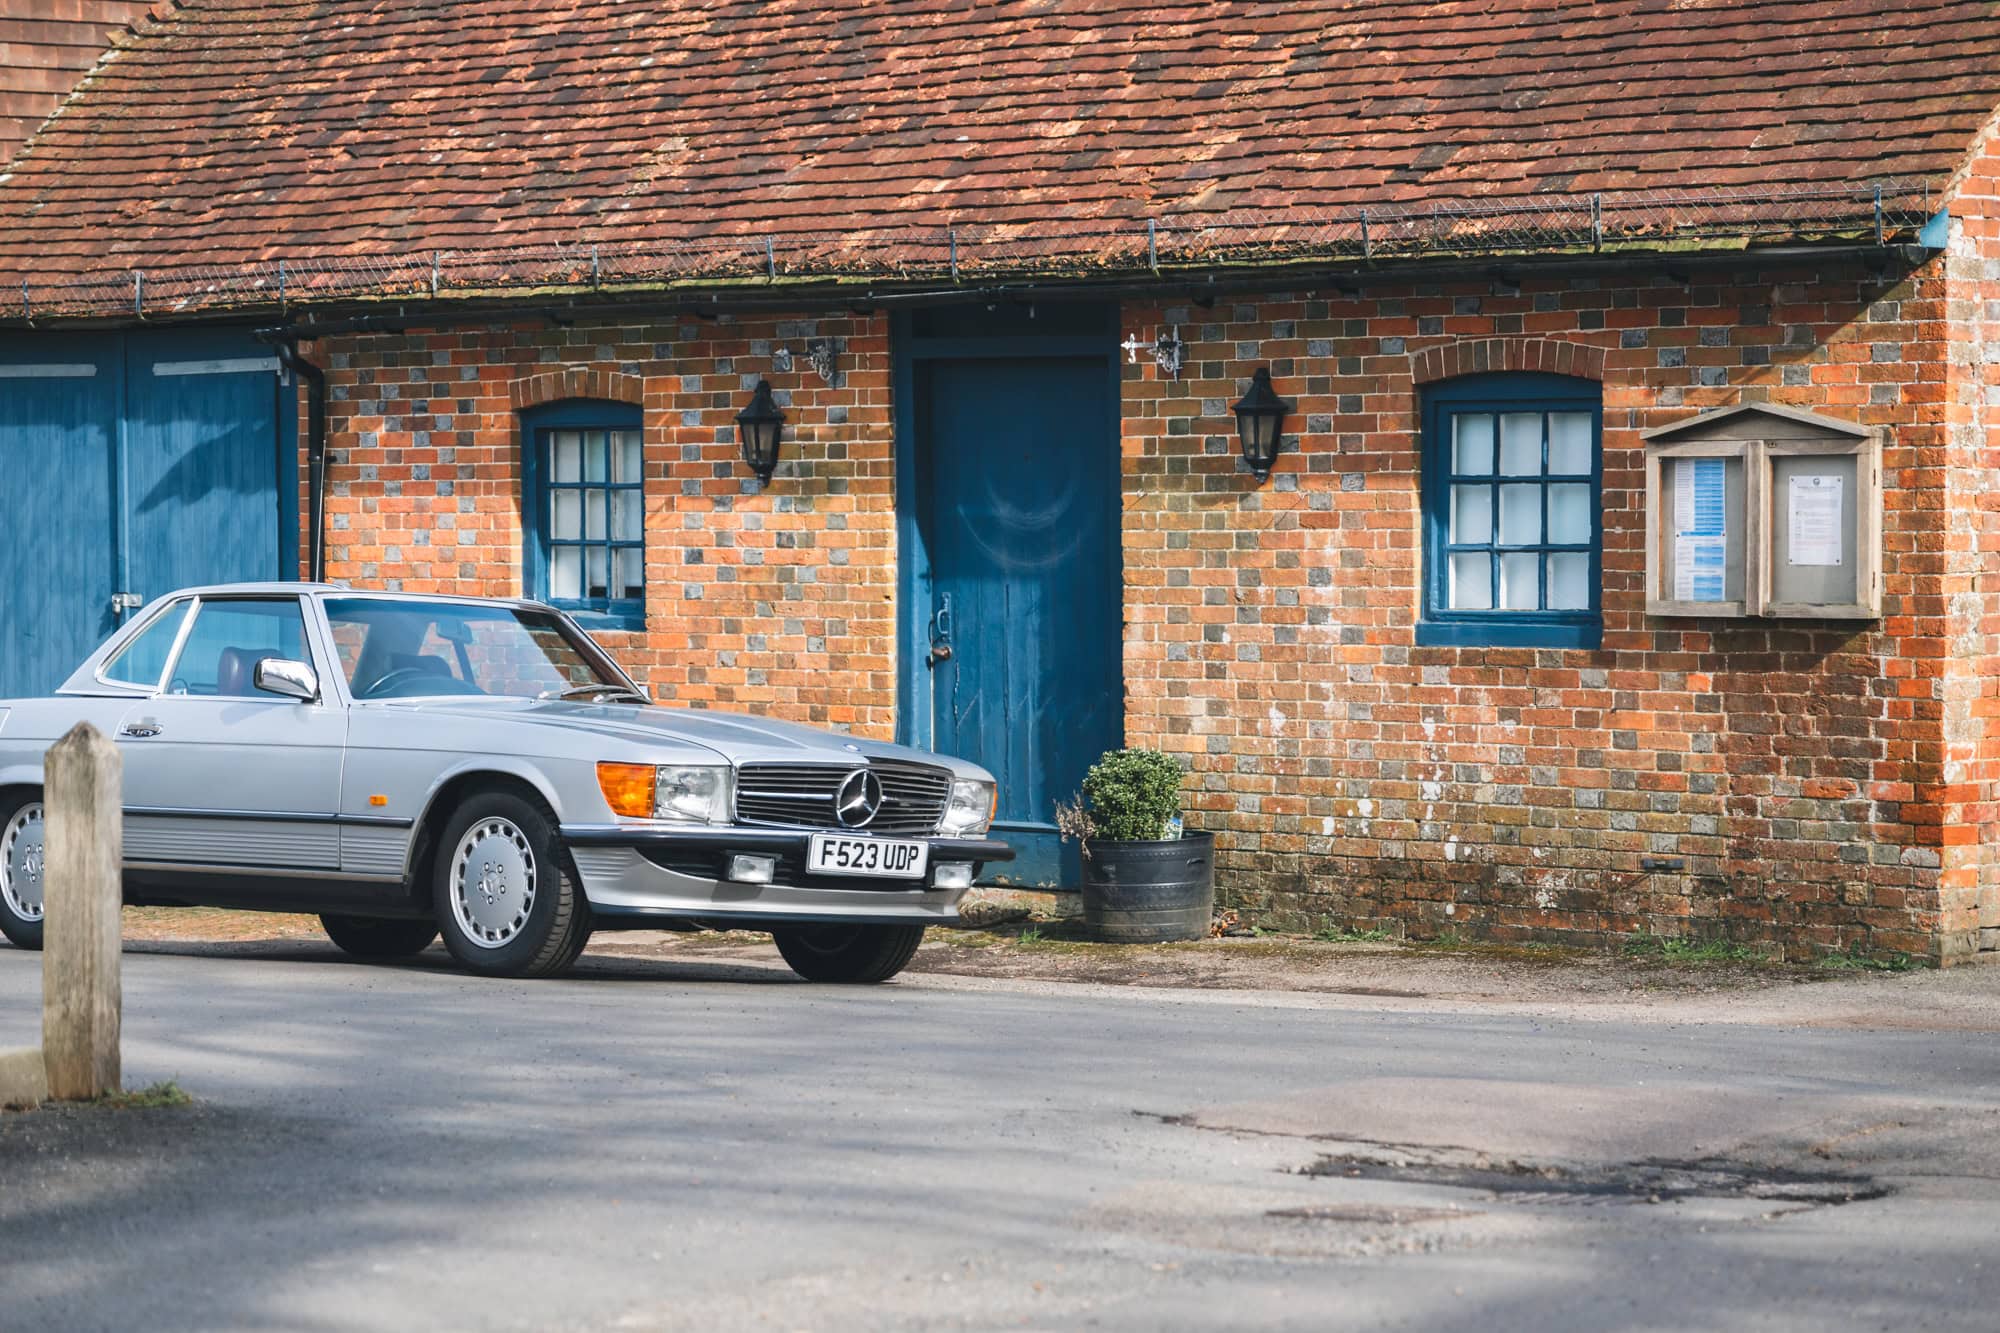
(1467, 660)
(46, 47)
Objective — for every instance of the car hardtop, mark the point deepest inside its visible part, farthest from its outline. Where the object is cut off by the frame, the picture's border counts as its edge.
(322, 591)
(88, 679)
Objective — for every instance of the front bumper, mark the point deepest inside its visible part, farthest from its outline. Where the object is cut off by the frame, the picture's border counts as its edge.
(634, 874)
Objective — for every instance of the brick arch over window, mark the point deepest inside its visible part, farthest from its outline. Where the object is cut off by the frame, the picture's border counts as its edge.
(1477, 356)
(555, 385)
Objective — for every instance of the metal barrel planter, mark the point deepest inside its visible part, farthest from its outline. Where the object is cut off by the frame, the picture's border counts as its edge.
(1149, 892)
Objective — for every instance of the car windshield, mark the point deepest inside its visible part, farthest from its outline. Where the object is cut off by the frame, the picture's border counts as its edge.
(393, 649)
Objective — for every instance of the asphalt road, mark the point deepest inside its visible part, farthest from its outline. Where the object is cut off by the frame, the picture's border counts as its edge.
(663, 1144)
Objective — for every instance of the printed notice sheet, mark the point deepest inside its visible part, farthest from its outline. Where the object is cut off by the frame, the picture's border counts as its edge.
(1701, 530)
(1815, 514)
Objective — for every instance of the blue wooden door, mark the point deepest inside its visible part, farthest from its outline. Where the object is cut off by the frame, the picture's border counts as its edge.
(58, 461)
(132, 463)
(201, 461)
(1019, 481)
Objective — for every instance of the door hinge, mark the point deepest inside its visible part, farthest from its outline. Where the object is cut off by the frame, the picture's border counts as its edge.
(127, 601)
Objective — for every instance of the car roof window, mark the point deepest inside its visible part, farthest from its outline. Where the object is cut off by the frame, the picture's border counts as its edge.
(143, 660)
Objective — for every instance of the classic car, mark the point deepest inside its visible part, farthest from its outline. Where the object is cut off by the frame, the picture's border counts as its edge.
(409, 766)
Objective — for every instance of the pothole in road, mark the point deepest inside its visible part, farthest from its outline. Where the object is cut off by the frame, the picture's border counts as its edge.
(1650, 1181)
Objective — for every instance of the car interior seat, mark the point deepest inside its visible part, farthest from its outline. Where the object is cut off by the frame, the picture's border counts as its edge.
(235, 670)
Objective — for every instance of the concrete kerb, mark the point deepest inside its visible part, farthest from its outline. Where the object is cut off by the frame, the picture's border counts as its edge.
(24, 1079)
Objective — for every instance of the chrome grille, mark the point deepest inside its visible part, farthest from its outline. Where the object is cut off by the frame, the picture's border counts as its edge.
(801, 795)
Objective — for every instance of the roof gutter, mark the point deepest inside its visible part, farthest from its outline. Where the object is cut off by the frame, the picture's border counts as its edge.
(1201, 287)
(287, 344)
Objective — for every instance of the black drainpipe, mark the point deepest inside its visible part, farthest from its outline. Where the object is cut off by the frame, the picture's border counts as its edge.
(315, 378)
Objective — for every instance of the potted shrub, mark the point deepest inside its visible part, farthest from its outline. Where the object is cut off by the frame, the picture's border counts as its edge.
(1144, 878)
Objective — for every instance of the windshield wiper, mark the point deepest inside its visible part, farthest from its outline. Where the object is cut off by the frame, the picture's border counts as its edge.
(601, 693)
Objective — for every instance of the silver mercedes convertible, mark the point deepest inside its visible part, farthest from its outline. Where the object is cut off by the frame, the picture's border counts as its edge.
(407, 766)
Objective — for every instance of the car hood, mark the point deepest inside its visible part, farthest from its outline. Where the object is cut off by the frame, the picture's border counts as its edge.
(737, 737)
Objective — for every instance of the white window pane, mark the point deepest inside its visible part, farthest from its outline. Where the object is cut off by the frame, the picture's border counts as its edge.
(1520, 515)
(1472, 582)
(594, 456)
(1569, 444)
(1472, 445)
(628, 466)
(1521, 444)
(1521, 582)
(626, 517)
(1471, 514)
(566, 516)
(593, 515)
(568, 453)
(1569, 582)
(1569, 514)
(566, 572)
(631, 572)
(597, 562)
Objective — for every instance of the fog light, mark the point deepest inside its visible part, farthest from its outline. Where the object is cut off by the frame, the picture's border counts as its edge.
(752, 869)
(952, 875)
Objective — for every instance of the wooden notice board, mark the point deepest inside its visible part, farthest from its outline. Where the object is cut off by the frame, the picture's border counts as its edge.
(1764, 511)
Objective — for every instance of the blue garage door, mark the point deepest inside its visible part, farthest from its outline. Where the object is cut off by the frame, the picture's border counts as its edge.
(131, 463)
(1013, 544)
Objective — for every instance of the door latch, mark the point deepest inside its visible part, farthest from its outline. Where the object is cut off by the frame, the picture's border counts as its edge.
(941, 631)
(143, 729)
(122, 602)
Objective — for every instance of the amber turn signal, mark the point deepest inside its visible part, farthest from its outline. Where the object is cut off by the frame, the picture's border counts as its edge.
(627, 788)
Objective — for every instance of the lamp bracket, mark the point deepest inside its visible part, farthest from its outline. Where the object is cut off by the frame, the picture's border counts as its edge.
(1169, 352)
(824, 353)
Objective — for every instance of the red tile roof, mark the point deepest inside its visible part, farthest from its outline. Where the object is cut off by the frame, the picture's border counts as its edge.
(45, 47)
(252, 130)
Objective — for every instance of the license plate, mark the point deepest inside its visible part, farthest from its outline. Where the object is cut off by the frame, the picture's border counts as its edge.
(883, 858)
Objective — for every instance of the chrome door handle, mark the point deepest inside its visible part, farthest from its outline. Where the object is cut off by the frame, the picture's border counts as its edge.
(139, 731)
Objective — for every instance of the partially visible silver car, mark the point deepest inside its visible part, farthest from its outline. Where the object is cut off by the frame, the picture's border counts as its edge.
(407, 766)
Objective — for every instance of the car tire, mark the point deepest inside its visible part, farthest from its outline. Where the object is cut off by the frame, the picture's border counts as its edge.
(505, 900)
(848, 954)
(21, 855)
(379, 937)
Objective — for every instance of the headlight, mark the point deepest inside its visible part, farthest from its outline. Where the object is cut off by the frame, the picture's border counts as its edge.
(970, 809)
(693, 791)
(690, 792)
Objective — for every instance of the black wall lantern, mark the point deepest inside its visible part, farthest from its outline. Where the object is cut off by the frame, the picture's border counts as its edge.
(1260, 421)
(758, 430)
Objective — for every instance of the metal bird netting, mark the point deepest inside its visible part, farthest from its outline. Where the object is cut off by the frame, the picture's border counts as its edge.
(1665, 220)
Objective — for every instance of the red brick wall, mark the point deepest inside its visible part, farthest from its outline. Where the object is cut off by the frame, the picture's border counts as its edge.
(1361, 780)
(1972, 718)
(1356, 779)
(780, 602)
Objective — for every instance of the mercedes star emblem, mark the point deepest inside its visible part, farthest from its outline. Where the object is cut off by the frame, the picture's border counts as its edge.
(859, 798)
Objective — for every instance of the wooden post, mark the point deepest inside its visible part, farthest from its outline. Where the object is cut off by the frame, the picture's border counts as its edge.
(81, 931)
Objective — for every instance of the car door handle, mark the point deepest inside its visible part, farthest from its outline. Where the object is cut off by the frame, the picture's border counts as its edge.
(140, 731)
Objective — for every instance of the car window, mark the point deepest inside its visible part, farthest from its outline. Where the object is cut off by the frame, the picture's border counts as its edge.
(144, 660)
(390, 649)
(229, 638)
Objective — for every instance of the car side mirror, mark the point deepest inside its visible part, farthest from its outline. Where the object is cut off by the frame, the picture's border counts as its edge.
(279, 675)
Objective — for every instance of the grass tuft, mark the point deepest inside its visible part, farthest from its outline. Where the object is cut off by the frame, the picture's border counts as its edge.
(1674, 949)
(157, 1097)
(1336, 935)
(1855, 962)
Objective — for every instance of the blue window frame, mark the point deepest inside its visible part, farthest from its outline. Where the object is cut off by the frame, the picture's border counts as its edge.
(583, 508)
(1513, 512)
